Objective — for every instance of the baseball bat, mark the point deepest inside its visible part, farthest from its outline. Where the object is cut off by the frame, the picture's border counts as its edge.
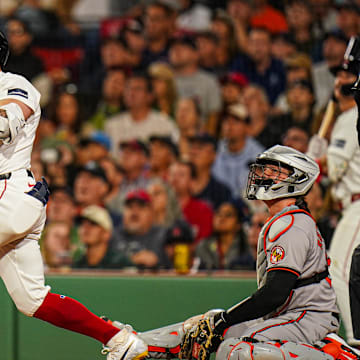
(327, 118)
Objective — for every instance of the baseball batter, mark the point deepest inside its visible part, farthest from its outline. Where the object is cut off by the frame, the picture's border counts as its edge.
(343, 160)
(294, 300)
(22, 213)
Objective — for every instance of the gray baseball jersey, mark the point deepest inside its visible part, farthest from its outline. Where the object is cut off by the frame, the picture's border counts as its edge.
(291, 241)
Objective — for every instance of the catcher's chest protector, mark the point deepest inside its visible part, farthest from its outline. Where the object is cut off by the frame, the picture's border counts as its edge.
(271, 231)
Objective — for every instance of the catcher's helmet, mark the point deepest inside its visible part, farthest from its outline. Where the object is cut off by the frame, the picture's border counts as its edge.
(4, 50)
(292, 174)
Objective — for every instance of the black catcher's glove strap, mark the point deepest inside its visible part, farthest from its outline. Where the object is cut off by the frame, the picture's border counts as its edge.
(200, 342)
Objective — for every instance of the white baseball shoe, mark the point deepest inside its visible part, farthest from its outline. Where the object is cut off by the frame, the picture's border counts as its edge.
(125, 345)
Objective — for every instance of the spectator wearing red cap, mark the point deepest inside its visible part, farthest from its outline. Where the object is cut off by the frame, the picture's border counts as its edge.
(196, 212)
(233, 84)
(139, 239)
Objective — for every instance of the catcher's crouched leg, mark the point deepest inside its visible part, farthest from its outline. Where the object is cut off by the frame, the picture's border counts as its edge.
(249, 349)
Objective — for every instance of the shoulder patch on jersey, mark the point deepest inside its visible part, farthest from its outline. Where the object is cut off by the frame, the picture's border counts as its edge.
(280, 226)
(340, 143)
(18, 92)
(277, 253)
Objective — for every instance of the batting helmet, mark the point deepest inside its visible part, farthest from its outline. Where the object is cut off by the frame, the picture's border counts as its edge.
(281, 172)
(4, 50)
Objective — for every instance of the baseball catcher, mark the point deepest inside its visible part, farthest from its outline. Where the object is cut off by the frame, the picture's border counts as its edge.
(294, 305)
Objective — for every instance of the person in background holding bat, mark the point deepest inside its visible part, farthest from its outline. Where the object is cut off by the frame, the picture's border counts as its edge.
(342, 163)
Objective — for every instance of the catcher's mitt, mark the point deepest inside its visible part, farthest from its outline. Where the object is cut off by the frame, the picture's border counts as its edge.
(200, 341)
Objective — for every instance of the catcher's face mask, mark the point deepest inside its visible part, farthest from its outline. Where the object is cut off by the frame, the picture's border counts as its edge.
(266, 175)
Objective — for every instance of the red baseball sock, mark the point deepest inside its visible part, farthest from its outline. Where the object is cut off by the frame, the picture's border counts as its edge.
(69, 314)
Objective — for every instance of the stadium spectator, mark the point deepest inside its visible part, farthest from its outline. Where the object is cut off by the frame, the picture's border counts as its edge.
(55, 245)
(188, 120)
(193, 16)
(193, 82)
(298, 67)
(133, 160)
(163, 152)
(301, 100)
(134, 36)
(205, 186)
(95, 231)
(268, 17)
(159, 23)
(232, 87)
(227, 248)
(223, 27)
(114, 53)
(300, 19)
(165, 206)
(196, 212)
(260, 67)
(115, 175)
(236, 150)
(65, 115)
(111, 100)
(348, 14)
(139, 238)
(90, 185)
(283, 46)
(62, 210)
(207, 44)
(333, 49)
(22, 60)
(297, 138)
(164, 88)
(140, 121)
(240, 12)
(260, 127)
(324, 15)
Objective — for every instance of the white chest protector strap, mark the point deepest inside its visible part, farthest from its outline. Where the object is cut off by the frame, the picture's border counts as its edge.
(11, 122)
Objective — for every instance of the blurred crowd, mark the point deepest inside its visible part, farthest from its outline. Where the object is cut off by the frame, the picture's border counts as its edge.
(152, 112)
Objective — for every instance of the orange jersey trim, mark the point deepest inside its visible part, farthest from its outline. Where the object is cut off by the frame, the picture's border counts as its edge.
(285, 269)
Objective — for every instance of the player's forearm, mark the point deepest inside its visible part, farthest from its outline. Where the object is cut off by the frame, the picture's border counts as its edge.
(265, 300)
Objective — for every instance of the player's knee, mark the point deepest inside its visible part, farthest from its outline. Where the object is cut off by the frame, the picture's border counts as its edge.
(227, 350)
(28, 302)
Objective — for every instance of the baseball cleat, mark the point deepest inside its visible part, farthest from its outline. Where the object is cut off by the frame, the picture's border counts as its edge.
(125, 345)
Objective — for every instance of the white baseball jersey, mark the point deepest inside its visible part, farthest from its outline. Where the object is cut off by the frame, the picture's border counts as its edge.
(343, 157)
(17, 155)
